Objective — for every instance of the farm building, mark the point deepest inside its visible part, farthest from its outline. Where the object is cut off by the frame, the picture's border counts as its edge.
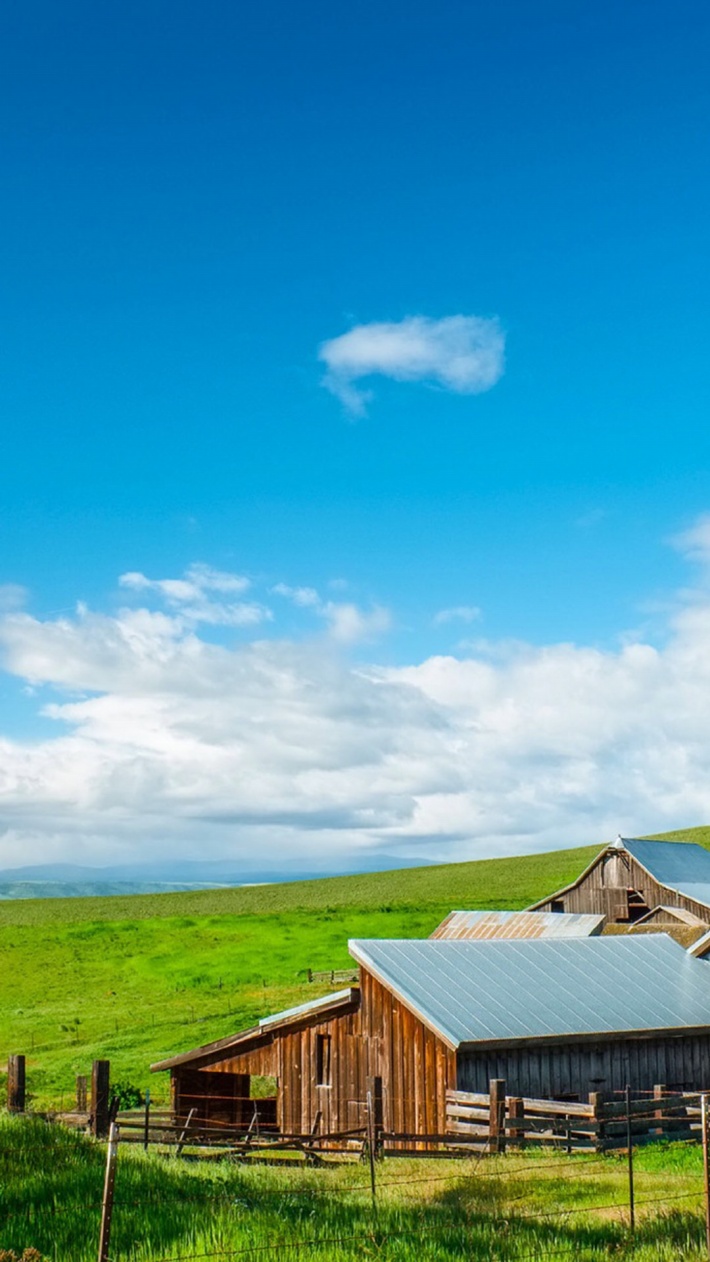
(555, 1018)
(517, 924)
(633, 878)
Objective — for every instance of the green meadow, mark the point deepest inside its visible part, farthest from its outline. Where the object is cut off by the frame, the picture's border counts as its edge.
(506, 1209)
(137, 978)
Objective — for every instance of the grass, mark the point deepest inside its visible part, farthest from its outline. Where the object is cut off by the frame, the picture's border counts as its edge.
(137, 978)
(507, 1209)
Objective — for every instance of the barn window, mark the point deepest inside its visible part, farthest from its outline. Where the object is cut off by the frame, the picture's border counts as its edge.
(557, 904)
(322, 1060)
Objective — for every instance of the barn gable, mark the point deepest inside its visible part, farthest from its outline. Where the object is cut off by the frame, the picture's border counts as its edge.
(627, 880)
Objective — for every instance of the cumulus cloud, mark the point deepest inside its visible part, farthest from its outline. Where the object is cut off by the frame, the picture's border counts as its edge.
(464, 354)
(12, 596)
(458, 613)
(278, 748)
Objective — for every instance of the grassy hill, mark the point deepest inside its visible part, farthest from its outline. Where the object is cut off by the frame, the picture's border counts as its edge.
(136, 978)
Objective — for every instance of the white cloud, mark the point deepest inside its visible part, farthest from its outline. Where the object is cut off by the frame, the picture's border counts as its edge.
(304, 597)
(464, 354)
(351, 625)
(192, 596)
(276, 748)
(458, 613)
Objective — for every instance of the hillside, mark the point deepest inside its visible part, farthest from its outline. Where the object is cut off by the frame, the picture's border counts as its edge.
(136, 978)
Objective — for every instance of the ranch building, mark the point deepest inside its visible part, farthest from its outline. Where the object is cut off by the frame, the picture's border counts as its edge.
(632, 878)
(555, 1018)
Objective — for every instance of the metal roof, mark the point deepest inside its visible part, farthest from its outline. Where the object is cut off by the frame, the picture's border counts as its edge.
(306, 1009)
(517, 924)
(682, 866)
(506, 990)
(222, 1049)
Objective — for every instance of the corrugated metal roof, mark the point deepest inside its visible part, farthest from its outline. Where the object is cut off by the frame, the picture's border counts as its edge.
(499, 991)
(517, 924)
(680, 865)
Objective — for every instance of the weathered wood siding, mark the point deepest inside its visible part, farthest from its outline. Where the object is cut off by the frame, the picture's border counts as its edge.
(604, 890)
(682, 1063)
(379, 1038)
(415, 1066)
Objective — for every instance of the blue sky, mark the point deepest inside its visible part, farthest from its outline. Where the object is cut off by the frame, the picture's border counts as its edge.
(198, 198)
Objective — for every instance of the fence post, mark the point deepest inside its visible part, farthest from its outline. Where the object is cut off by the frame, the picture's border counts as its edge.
(630, 1150)
(516, 1113)
(81, 1093)
(496, 1130)
(107, 1203)
(146, 1122)
(374, 1089)
(596, 1099)
(371, 1141)
(706, 1166)
(100, 1086)
(16, 1084)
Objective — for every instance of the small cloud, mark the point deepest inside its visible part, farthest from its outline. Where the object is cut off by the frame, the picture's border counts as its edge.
(192, 596)
(464, 354)
(592, 518)
(694, 543)
(350, 625)
(12, 596)
(459, 613)
(304, 597)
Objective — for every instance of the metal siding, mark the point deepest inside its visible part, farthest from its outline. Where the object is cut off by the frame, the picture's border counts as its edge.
(501, 990)
(470, 925)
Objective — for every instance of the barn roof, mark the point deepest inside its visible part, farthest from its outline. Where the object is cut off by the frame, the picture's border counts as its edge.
(517, 924)
(505, 991)
(334, 1004)
(682, 866)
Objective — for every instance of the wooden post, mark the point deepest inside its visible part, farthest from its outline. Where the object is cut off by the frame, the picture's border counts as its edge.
(371, 1141)
(596, 1099)
(496, 1130)
(100, 1086)
(630, 1151)
(659, 1091)
(146, 1122)
(81, 1093)
(516, 1113)
(16, 1084)
(374, 1088)
(183, 1136)
(107, 1203)
(706, 1167)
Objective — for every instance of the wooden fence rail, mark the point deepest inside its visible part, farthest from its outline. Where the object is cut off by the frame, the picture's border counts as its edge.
(496, 1121)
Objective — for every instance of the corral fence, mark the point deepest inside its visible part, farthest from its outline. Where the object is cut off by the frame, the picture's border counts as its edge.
(333, 976)
(498, 1121)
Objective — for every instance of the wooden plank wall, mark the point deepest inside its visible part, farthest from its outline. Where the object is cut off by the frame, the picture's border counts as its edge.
(604, 888)
(380, 1038)
(416, 1067)
(683, 1063)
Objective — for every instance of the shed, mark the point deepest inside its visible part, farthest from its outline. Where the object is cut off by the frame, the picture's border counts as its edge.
(555, 1018)
(517, 924)
(630, 878)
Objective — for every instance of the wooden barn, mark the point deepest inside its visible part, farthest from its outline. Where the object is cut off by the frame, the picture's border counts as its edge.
(555, 1018)
(633, 878)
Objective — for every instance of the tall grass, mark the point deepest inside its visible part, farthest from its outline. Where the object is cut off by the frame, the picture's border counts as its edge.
(507, 1209)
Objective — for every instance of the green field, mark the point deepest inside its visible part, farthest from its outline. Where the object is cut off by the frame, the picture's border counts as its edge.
(137, 978)
(514, 1208)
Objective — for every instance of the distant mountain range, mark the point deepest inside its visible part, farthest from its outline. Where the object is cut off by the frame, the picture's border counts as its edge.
(70, 880)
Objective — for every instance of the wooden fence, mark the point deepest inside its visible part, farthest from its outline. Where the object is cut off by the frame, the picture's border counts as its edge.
(496, 1121)
(334, 976)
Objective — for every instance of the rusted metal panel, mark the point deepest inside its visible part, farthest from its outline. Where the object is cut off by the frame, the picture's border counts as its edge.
(518, 924)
